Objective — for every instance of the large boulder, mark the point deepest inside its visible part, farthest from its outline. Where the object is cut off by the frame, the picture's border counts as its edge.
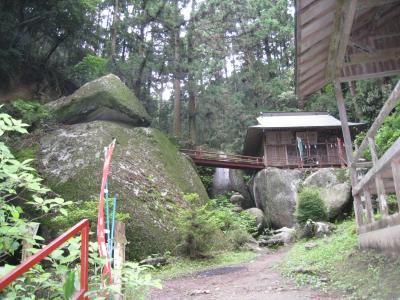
(147, 173)
(231, 180)
(258, 214)
(335, 189)
(275, 192)
(106, 98)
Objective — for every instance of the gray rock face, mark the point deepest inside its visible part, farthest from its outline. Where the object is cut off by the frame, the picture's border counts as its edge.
(258, 214)
(147, 172)
(237, 200)
(275, 192)
(228, 180)
(106, 98)
(335, 189)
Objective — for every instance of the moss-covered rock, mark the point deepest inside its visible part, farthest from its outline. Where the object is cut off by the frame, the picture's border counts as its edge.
(148, 174)
(106, 98)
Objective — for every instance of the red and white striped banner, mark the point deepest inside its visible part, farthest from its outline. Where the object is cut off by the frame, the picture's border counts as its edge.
(101, 238)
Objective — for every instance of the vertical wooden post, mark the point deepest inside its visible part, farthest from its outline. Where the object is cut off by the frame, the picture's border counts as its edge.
(349, 149)
(343, 119)
(358, 211)
(396, 178)
(265, 149)
(368, 205)
(380, 187)
(31, 232)
(119, 257)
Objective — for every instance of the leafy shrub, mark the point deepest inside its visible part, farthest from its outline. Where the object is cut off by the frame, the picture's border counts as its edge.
(310, 206)
(206, 176)
(90, 68)
(212, 226)
(30, 112)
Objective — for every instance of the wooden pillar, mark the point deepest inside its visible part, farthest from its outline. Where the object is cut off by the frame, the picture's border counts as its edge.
(31, 232)
(368, 205)
(380, 187)
(349, 149)
(358, 211)
(119, 257)
(343, 120)
(396, 179)
(265, 149)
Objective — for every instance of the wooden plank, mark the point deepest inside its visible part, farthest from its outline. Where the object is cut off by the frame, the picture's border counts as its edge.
(119, 258)
(310, 41)
(308, 88)
(315, 10)
(395, 164)
(383, 55)
(358, 210)
(385, 111)
(392, 153)
(369, 75)
(344, 18)
(368, 205)
(364, 4)
(343, 120)
(314, 27)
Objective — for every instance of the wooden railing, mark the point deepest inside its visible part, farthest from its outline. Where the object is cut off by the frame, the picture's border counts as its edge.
(382, 178)
(224, 160)
(83, 228)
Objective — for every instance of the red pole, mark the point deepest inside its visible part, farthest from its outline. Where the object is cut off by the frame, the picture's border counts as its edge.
(85, 258)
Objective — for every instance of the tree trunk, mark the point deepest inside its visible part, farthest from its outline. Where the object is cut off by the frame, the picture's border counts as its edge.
(191, 79)
(177, 87)
(357, 110)
(114, 30)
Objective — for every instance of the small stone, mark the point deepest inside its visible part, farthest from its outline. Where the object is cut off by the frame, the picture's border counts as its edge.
(199, 292)
(310, 245)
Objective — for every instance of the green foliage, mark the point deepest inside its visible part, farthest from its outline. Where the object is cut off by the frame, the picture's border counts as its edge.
(212, 226)
(77, 211)
(387, 134)
(336, 264)
(310, 206)
(206, 176)
(19, 182)
(90, 68)
(30, 112)
(60, 278)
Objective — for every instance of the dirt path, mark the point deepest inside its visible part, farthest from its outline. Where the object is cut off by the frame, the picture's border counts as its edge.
(254, 280)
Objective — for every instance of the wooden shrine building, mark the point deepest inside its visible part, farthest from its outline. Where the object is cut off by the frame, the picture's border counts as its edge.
(297, 139)
(340, 41)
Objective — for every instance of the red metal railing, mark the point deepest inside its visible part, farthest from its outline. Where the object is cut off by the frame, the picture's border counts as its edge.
(83, 228)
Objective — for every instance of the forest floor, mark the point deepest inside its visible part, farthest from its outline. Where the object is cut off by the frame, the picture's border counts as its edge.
(257, 279)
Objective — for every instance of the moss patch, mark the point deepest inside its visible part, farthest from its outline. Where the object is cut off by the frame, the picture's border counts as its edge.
(148, 175)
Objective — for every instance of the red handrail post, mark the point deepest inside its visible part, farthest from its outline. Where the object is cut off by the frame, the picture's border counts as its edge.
(84, 258)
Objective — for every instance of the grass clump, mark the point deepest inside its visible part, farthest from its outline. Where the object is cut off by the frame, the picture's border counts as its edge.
(336, 264)
(310, 206)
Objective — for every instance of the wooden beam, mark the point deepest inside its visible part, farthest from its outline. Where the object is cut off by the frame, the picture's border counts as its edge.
(343, 120)
(358, 211)
(380, 187)
(395, 164)
(368, 205)
(369, 75)
(344, 18)
(387, 108)
(392, 153)
(359, 58)
(363, 4)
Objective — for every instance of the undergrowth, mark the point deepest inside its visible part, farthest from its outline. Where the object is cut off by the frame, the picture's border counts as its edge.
(336, 264)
